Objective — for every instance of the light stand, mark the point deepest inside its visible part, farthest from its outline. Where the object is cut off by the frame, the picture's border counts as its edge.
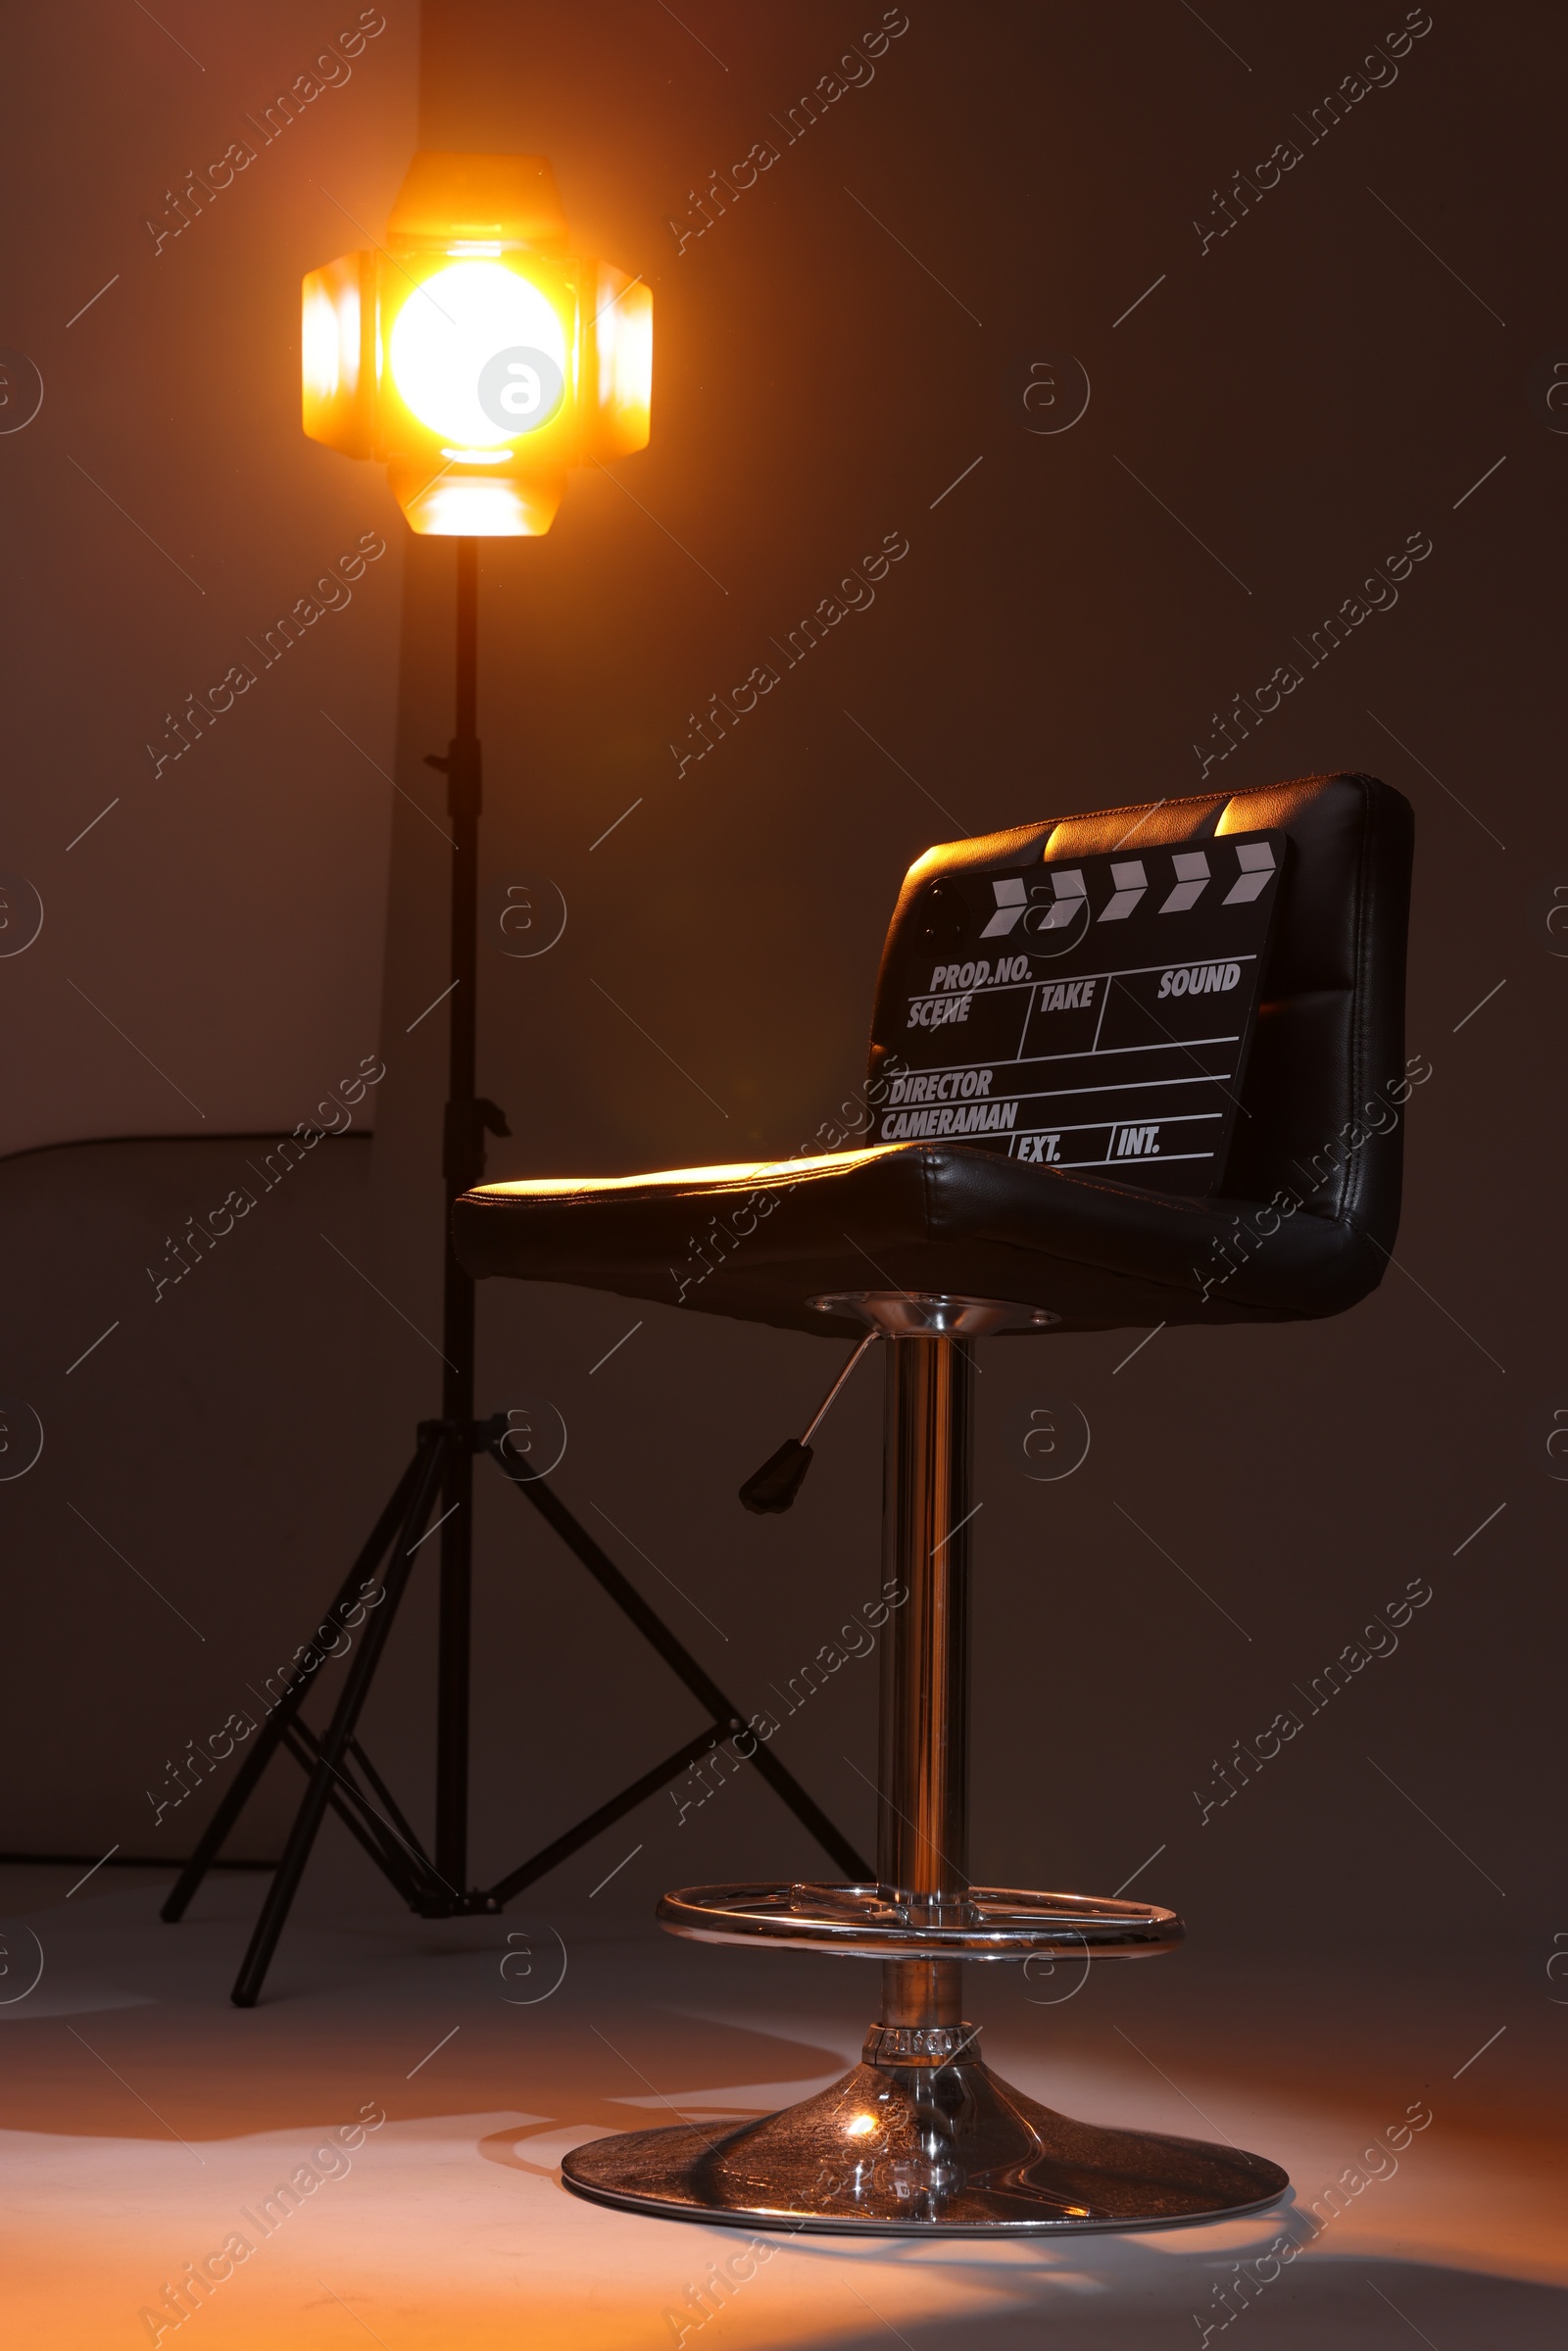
(341, 1777)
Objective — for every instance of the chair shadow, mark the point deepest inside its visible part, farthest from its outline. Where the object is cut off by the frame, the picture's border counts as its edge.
(1114, 2294)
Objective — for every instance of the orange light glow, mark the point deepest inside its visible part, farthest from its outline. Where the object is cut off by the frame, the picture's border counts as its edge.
(624, 330)
(337, 305)
(736, 1176)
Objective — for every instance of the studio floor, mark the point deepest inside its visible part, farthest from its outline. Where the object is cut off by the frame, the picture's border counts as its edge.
(146, 2120)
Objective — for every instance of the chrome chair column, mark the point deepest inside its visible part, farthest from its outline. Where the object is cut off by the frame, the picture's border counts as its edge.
(923, 1779)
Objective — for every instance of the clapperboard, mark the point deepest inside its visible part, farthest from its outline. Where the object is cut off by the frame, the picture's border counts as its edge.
(1088, 1015)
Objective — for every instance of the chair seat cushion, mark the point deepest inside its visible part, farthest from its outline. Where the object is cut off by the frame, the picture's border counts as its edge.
(757, 1241)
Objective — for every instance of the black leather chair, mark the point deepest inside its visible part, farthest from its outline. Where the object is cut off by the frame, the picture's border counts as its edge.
(930, 1244)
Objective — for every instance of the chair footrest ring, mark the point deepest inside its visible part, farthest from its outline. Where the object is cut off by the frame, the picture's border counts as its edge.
(871, 1921)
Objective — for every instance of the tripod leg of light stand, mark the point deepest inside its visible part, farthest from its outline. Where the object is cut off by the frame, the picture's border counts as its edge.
(551, 1857)
(302, 1837)
(379, 1828)
(271, 1734)
(810, 1816)
(682, 1662)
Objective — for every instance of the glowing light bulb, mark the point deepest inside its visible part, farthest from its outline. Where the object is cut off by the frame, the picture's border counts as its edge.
(478, 353)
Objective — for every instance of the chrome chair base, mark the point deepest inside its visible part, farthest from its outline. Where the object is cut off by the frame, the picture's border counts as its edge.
(922, 2139)
(941, 2146)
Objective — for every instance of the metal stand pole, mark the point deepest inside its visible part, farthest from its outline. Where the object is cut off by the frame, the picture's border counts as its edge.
(462, 1165)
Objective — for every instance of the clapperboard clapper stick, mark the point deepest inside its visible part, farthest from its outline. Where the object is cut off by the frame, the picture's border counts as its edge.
(779, 1480)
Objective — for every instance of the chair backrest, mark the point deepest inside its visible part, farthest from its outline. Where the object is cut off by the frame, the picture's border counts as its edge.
(1327, 1069)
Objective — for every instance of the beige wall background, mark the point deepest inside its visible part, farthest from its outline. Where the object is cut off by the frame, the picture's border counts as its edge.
(210, 954)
